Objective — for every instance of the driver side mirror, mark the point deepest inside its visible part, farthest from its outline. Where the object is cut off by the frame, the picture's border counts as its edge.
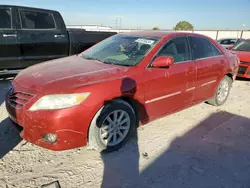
(163, 62)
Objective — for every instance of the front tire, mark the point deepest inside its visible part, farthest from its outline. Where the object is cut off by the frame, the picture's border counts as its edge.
(222, 92)
(112, 126)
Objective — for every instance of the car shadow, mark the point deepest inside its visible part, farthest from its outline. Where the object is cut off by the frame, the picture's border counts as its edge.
(4, 86)
(9, 132)
(9, 136)
(242, 79)
(215, 153)
(115, 173)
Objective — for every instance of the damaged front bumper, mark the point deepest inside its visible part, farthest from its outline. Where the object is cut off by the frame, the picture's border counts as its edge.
(68, 126)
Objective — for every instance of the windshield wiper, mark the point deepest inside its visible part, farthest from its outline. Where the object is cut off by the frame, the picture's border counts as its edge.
(92, 58)
(109, 62)
(125, 65)
(118, 64)
(106, 62)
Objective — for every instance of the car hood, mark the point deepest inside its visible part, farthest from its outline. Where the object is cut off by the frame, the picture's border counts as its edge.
(67, 71)
(243, 56)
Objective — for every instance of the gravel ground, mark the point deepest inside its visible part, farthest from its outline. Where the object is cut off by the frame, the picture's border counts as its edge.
(203, 146)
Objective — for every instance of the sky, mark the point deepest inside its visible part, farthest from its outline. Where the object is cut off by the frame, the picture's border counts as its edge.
(146, 14)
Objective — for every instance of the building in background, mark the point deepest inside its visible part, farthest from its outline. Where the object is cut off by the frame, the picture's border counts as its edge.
(91, 27)
(214, 34)
(98, 28)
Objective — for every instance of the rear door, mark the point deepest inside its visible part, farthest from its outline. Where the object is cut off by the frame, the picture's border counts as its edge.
(39, 36)
(169, 89)
(209, 62)
(9, 46)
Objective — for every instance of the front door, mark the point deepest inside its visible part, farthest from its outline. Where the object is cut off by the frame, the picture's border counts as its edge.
(170, 89)
(9, 46)
(40, 38)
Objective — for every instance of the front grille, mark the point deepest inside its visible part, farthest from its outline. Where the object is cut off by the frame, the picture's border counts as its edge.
(246, 63)
(242, 70)
(19, 99)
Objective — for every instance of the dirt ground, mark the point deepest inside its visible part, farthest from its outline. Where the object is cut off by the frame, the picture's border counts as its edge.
(203, 146)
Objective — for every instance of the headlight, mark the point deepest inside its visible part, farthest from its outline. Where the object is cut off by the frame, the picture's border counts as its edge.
(58, 101)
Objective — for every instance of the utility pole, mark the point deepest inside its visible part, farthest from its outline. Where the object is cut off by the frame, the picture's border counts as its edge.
(243, 26)
(120, 23)
(116, 23)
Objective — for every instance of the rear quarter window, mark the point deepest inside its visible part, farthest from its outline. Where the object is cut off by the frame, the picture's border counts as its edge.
(217, 52)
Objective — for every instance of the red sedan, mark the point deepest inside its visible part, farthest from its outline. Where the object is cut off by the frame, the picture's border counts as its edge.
(243, 52)
(101, 95)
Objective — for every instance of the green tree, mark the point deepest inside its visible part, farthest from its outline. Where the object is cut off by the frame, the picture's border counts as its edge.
(184, 26)
(156, 28)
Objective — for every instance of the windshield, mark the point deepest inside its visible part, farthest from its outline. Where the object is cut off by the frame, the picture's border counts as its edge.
(121, 50)
(243, 46)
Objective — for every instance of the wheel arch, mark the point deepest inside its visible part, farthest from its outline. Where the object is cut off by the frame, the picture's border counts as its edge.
(128, 99)
(230, 75)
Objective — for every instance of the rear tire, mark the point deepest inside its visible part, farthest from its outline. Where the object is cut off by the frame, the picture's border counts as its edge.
(112, 126)
(222, 92)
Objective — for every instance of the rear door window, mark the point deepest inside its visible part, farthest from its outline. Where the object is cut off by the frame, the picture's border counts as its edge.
(5, 19)
(37, 20)
(202, 48)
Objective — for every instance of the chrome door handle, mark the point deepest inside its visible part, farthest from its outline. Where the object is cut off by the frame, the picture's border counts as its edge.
(58, 36)
(10, 35)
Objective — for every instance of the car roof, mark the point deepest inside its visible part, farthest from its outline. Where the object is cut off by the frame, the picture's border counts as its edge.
(160, 34)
